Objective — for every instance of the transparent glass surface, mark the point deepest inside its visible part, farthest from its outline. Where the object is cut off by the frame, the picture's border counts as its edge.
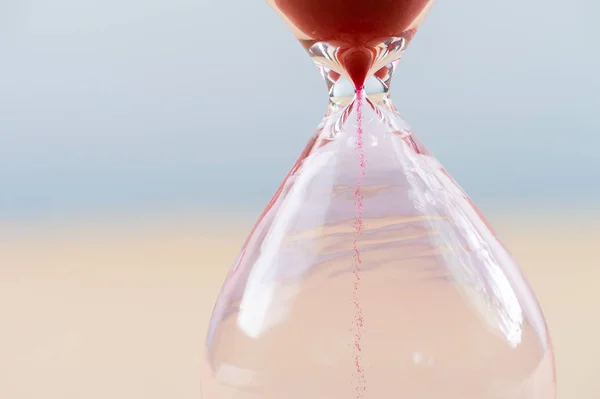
(370, 273)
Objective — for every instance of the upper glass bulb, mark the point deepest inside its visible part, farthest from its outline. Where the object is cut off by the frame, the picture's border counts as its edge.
(355, 27)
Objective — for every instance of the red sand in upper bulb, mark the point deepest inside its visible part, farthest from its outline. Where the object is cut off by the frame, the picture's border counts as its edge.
(356, 26)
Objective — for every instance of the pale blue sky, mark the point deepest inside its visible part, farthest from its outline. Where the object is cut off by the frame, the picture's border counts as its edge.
(131, 104)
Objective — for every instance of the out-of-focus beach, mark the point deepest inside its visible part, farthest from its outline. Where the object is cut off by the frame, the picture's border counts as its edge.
(101, 310)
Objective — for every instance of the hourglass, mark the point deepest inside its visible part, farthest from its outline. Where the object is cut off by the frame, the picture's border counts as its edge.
(371, 274)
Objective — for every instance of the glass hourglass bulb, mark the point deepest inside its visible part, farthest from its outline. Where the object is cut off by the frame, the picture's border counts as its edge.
(371, 274)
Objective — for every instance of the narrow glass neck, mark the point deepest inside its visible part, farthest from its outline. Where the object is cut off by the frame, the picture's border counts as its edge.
(347, 68)
(342, 91)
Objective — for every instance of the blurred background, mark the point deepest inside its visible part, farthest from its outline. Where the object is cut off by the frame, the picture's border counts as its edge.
(139, 141)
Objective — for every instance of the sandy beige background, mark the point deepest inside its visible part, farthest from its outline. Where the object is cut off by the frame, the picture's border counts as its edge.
(99, 309)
